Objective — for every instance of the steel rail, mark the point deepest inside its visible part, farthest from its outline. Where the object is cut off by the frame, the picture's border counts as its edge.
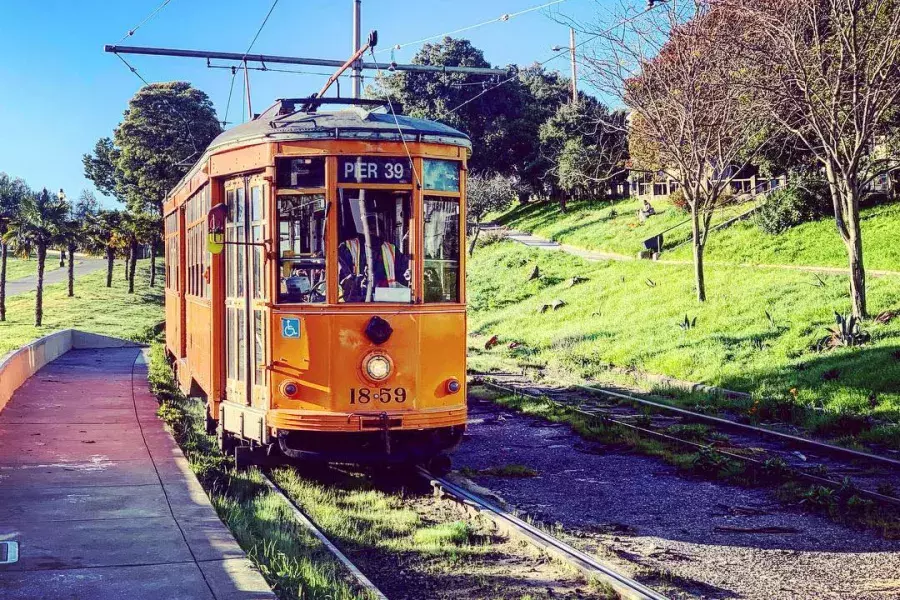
(301, 518)
(600, 414)
(587, 564)
(793, 439)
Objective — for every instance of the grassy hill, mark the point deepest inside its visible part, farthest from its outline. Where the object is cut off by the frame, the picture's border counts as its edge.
(628, 314)
(16, 268)
(615, 228)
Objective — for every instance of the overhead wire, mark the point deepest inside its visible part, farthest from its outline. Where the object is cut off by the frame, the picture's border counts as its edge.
(501, 19)
(249, 48)
(555, 56)
(390, 102)
(147, 18)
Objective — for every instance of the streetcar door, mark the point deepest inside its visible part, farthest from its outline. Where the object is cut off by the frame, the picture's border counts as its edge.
(246, 292)
(258, 288)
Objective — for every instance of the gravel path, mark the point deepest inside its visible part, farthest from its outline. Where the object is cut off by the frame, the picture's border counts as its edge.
(666, 529)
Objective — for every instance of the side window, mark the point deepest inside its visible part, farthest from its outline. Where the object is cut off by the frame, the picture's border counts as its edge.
(301, 248)
(441, 249)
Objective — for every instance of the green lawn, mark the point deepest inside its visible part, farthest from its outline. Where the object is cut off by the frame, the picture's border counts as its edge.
(628, 315)
(16, 268)
(95, 308)
(605, 226)
(815, 244)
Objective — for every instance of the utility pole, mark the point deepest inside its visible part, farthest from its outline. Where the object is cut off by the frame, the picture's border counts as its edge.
(574, 66)
(574, 63)
(356, 77)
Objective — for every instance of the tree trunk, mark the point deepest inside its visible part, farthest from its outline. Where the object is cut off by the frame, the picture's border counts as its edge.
(857, 269)
(4, 250)
(62, 258)
(71, 270)
(131, 265)
(110, 263)
(39, 297)
(153, 262)
(474, 238)
(562, 203)
(699, 276)
(127, 261)
(524, 197)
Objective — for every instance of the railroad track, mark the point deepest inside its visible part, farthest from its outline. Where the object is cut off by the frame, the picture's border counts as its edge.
(796, 464)
(513, 525)
(505, 521)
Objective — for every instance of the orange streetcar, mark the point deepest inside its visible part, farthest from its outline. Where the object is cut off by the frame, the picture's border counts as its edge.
(332, 324)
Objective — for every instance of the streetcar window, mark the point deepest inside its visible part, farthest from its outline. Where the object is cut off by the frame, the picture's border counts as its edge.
(374, 229)
(301, 248)
(301, 172)
(440, 175)
(441, 249)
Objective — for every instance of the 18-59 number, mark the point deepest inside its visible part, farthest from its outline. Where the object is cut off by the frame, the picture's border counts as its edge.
(382, 395)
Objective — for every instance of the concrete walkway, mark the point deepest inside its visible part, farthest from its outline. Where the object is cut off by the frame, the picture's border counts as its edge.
(535, 241)
(99, 497)
(83, 266)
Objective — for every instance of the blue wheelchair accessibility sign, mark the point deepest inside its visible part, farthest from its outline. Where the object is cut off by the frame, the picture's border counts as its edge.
(290, 327)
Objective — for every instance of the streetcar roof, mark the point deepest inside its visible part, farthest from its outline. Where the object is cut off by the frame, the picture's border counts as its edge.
(284, 121)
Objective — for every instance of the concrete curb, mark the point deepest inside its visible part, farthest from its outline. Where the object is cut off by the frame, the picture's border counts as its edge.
(19, 365)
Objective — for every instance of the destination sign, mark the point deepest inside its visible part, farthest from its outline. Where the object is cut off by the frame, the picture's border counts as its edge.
(374, 169)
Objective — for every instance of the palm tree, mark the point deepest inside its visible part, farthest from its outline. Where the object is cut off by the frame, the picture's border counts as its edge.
(74, 231)
(104, 236)
(139, 228)
(12, 191)
(35, 228)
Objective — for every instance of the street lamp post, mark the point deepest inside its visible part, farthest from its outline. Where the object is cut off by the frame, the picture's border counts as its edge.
(574, 63)
(61, 194)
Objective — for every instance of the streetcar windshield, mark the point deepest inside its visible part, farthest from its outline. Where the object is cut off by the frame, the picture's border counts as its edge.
(374, 260)
(301, 248)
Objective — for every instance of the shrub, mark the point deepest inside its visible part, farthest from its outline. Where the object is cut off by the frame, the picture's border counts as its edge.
(800, 202)
(678, 200)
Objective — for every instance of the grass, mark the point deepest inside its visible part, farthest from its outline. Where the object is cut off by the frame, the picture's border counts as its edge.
(811, 244)
(617, 318)
(294, 562)
(513, 471)
(94, 308)
(17, 268)
(605, 226)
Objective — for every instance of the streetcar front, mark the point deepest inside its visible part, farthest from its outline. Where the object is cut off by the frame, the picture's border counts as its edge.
(368, 344)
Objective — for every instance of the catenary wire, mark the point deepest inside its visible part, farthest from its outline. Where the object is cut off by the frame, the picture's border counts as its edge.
(147, 18)
(501, 19)
(249, 48)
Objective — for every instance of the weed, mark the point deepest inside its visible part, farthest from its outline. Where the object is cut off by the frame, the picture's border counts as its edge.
(820, 496)
(687, 323)
(515, 471)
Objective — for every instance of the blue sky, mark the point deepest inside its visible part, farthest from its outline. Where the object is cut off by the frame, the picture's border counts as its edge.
(59, 92)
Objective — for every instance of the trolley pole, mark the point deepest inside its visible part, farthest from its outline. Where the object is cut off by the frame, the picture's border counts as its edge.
(247, 87)
(356, 77)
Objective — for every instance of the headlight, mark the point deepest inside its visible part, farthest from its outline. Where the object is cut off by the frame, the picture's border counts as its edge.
(378, 367)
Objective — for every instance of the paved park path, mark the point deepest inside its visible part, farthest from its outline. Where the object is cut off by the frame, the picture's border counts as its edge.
(83, 266)
(534, 241)
(100, 498)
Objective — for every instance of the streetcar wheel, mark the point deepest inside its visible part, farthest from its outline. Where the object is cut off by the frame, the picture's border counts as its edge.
(440, 465)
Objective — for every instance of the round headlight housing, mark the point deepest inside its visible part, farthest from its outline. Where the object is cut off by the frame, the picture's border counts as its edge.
(377, 367)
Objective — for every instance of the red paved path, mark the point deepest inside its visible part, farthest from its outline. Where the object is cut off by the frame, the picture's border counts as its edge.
(101, 499)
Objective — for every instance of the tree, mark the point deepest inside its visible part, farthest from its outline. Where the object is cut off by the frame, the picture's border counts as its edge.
(689, 116)
(74, 230)
(585, 148)
(138, 228)
(486, 194)
(104, 236)
(12, 193)
(166, 128)
(831, 74)
(35, 228)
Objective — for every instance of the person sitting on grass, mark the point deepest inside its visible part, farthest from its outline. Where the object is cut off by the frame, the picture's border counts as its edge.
(646, 212)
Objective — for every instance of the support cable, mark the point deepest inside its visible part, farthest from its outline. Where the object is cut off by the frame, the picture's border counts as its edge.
(249, 48)
(555, 56)
(147, 18)
(501, 19)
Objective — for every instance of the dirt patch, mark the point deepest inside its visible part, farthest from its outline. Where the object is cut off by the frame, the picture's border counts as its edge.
(689, 538)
